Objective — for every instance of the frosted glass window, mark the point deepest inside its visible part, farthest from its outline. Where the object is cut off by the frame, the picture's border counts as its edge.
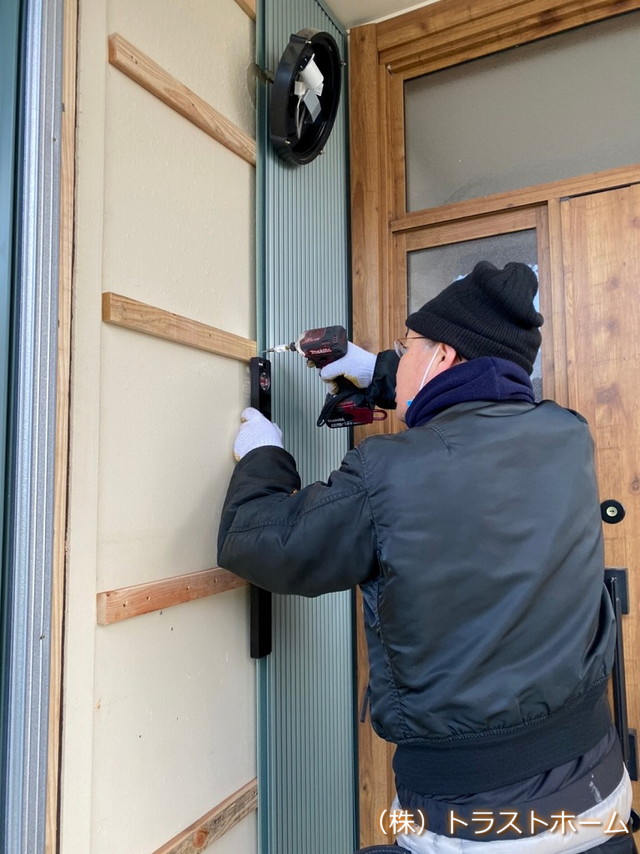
(563, 106)
(431, 270)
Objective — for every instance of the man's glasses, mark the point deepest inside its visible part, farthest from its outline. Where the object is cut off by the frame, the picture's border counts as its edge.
(399, 344)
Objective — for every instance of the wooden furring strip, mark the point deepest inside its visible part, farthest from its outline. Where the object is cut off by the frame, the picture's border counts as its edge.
(214, 824)
(63, 409)
(113, 606)
(248, 6)
(152, 77)
(141, 317)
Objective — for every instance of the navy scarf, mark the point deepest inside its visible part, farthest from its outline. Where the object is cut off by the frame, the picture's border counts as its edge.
(485, 378)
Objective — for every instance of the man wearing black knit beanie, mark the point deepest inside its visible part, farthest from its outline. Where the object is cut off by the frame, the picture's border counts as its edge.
(475, 537)
(488, 313)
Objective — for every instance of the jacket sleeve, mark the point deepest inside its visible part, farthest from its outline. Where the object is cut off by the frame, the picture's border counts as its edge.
(290, 540)
(382, 391)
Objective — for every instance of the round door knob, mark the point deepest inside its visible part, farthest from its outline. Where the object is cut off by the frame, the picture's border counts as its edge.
(612, 511)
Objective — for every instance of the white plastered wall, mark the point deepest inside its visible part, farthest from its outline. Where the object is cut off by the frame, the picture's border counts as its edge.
(159, 710)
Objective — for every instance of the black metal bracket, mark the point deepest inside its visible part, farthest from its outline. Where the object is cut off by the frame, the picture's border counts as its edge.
(261, 74)
(260, 619)
(260, 640)
(622, 585)
(632, 764)
(615, 580)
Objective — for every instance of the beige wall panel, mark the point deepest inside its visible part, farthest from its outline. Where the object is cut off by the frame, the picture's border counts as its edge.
(174, 721)
(179, 220)
(159, 711)
(80, 620)
(168, 418)
(207, 44)
(240, 838)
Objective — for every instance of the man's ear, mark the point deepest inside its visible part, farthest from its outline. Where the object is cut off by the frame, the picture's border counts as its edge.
(449, 358)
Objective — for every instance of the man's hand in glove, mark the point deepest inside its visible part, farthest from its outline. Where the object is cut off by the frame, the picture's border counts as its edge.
(255, 431)
(357, 366)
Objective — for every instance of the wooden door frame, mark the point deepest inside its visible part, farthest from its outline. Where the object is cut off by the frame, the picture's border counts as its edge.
(382, 57)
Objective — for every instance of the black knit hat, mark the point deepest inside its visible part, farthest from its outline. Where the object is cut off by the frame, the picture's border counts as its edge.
(488, 313)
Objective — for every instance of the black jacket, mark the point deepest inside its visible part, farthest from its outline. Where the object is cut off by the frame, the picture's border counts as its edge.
(476, 539)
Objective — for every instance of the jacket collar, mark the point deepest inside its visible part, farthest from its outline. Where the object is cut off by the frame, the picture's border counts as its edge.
(485, 378)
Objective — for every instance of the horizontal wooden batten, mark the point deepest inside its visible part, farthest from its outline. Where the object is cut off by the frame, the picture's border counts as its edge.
(141, 317)
(248, 6)
(113, 606)
(590, 183)
(435, 37)
(214, 824)
(143, 70)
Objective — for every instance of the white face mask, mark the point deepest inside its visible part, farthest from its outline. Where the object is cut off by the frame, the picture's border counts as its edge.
(424, 376)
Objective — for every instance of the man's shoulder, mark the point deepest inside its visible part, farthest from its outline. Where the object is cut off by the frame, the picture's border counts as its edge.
(557, 410)
(433, 434)
(390, 444)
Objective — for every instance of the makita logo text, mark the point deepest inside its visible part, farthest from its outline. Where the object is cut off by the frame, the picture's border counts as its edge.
(320, 351)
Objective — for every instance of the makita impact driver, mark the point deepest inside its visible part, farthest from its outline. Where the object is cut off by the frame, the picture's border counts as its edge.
(349, 405)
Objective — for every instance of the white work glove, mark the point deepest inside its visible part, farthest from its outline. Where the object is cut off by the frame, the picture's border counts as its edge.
(255, 432)
(357, 366)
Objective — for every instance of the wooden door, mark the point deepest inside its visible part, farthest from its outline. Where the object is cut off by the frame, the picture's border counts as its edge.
(588, 249)
(382, 57)
(601, 271)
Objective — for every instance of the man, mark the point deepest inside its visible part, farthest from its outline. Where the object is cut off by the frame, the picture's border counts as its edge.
(475, 536)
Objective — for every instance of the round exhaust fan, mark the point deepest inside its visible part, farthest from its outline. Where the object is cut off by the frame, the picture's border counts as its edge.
(305, 96)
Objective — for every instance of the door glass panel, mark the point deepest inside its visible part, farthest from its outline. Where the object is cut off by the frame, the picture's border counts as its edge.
(431, 270)
(559, 107)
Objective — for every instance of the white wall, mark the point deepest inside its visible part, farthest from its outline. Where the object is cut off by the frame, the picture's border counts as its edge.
(159, 710)
(354, 13)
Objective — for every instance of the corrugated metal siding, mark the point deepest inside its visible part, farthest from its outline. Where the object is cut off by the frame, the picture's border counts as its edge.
(306, 726)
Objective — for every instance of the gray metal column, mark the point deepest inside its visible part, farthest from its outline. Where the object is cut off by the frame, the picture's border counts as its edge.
(306, 721)
(27, 557)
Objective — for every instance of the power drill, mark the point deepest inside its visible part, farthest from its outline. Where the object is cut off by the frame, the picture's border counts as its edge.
(349, 406)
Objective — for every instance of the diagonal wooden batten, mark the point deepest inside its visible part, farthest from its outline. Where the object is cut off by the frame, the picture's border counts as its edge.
(248, 6)
(113, 606)
(143, 70)
(214, 824)
(141, 317)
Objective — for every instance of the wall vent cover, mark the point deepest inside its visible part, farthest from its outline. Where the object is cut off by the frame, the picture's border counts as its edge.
(305, 96)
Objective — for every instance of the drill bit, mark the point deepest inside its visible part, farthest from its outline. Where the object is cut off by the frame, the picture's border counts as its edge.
(281, 348)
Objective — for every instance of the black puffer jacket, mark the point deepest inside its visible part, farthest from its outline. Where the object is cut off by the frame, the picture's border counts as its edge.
(490, 634)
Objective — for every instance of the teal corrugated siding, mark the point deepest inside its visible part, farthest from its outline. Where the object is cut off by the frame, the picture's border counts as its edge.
(306, 725)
